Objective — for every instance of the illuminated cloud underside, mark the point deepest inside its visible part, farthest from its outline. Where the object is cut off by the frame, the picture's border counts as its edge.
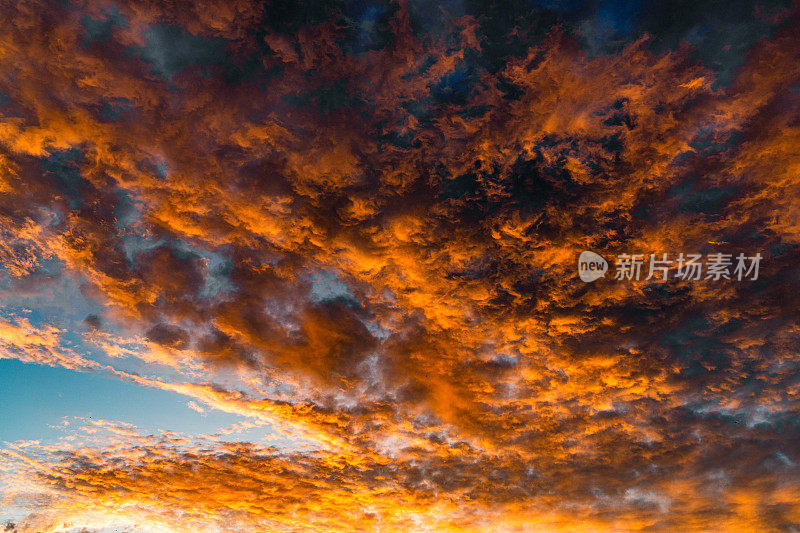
(363, 236)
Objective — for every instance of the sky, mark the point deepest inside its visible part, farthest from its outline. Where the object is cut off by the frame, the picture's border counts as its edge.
(314, 266)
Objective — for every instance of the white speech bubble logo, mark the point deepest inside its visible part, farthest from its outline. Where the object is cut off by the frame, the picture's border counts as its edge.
(591, 266)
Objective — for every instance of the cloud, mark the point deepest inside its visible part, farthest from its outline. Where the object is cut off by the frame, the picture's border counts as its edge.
(193, 405)
(370, 239)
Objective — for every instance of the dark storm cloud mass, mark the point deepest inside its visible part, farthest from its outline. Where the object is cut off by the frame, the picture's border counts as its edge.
(370, 214)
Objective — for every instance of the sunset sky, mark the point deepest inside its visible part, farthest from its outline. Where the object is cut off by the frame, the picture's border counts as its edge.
(313, 266)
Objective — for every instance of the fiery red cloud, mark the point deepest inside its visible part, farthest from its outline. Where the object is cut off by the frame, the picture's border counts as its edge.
(366, 235)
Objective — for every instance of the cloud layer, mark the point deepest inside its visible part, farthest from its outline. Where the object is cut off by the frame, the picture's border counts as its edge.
(361, 223)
